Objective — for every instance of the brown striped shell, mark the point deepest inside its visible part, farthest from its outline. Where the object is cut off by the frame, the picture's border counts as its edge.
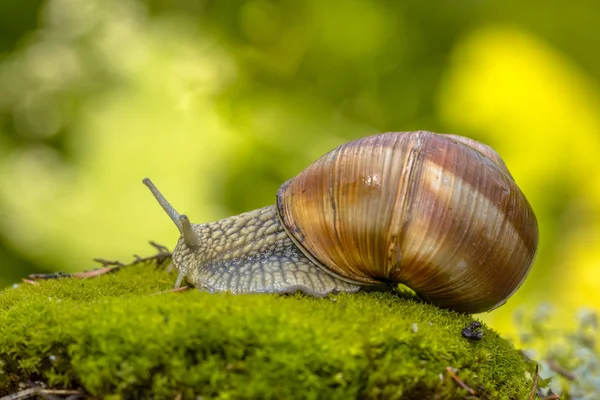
(438, 213)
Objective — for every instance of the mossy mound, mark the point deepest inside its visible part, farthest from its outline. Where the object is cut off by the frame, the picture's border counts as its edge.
(107, 336)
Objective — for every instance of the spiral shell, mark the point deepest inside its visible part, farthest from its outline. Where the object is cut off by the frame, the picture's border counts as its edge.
(438, 213)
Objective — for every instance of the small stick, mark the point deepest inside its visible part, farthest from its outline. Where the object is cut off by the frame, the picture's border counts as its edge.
(108, 263)
(54, 275)
(30, 282)
(36, 391)
(161, 257)
(108, 266)
(535, 380)
(95, 272)
(179, 289)
(552, 397)
(160, 247)
(23, 394)
(450, 370)
(560, 370)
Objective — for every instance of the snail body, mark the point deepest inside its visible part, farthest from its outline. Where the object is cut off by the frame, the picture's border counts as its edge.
(440, 214)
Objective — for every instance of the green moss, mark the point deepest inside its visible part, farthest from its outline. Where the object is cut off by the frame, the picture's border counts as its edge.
(109, 337)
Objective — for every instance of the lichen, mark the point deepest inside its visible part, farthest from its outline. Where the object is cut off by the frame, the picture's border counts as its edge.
(110, 337)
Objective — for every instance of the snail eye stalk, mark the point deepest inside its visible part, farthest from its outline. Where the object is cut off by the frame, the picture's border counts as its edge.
(171, 212)
(189, 234)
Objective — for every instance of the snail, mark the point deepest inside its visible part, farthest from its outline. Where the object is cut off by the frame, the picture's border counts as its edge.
(438, 213)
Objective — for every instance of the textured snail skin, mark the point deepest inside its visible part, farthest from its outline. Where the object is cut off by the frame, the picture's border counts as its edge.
(251, 253)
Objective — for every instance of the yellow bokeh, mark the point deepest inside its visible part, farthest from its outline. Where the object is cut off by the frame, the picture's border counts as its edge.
(542, 114)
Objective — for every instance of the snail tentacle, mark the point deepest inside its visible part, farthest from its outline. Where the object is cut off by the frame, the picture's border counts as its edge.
(189, 234)
(171, 212)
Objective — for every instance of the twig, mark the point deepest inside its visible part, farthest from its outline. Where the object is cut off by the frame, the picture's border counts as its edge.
(36, 391)
(451, 370)
(552, 397)
(30, 282)
(95, 272)
(54, 275)
(560, 370)
(161, 249)
(535, 380)
(108, 263)
(161, 257)
(108, 266)
(179, 289)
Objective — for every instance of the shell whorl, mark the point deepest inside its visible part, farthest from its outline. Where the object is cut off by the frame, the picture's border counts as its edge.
(440, 215)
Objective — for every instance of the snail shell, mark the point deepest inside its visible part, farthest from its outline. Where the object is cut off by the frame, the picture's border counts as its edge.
(440, 214)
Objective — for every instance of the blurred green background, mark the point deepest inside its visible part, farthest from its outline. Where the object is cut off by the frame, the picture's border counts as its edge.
(219, 102)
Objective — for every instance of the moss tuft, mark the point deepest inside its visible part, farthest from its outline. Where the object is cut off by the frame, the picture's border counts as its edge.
(109, 337)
